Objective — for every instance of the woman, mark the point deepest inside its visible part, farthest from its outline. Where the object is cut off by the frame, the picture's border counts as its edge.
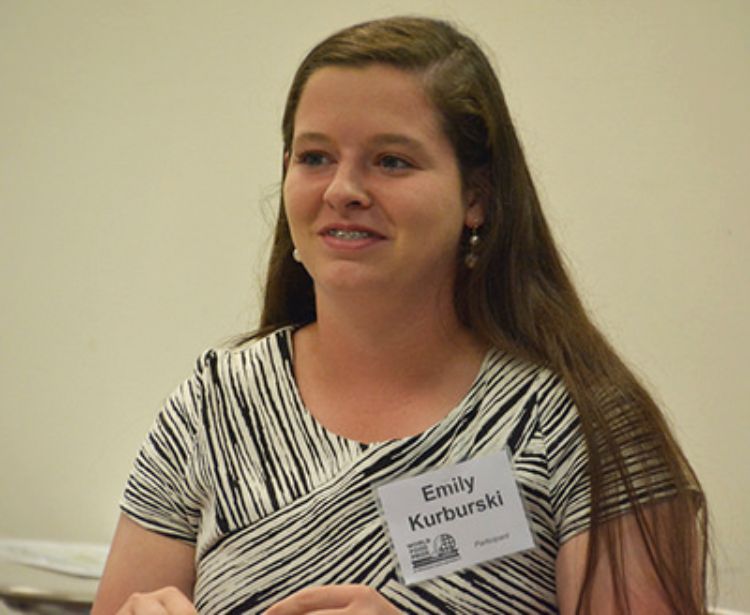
(416, 315)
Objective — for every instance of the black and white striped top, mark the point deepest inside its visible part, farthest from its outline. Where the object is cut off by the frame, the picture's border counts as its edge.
(274, 502)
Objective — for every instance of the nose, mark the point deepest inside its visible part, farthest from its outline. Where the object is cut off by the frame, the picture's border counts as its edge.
(347, 188)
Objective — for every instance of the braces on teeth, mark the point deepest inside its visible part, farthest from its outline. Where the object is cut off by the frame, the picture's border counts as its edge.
(341, 234)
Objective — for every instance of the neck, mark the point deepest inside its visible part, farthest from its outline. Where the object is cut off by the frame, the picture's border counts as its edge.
(373, 369)
(396, 340)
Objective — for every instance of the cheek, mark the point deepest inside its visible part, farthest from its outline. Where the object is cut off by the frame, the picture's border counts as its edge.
(444, 210)
(300, 193)
(293, 199)
(287, 188)
(291, 208)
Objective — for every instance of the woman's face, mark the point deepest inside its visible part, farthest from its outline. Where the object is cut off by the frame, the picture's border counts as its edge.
(373, 191)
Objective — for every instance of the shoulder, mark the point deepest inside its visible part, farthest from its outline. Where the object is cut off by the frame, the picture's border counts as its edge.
(225, 376)
(529, 385)
(522, 403)
(272, 349)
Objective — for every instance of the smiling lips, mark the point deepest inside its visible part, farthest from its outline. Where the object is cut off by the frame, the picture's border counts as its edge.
(339, 233)
(349, 237)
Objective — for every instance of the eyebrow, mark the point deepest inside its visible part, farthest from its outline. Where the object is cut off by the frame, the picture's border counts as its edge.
(312, 137)
(397, 139)
(387, 138)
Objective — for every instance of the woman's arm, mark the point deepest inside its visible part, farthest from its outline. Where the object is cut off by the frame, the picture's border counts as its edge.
(141, 561)
(641, 583)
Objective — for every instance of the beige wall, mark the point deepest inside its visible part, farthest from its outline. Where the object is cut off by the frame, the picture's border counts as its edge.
(138, 166)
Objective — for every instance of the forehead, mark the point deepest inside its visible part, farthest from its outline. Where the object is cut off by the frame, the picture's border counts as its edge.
(376, 96)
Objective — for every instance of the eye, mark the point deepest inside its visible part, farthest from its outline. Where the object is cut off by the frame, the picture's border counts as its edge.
(394, 163)
(313, 159)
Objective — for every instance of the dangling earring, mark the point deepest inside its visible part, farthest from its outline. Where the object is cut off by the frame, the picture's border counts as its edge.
(472, 255)
(296, 256)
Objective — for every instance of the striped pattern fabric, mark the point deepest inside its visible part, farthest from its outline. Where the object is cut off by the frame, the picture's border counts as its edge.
(274, 502)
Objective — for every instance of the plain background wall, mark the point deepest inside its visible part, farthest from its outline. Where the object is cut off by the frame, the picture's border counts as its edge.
(139, 166)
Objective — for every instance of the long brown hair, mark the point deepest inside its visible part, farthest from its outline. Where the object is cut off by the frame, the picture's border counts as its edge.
(519, 297)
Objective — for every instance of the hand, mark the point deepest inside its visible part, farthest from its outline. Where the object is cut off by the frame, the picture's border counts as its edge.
(338, 599)
(165, 601)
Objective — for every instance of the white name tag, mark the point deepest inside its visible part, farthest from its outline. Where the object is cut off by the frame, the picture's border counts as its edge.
(454, 517)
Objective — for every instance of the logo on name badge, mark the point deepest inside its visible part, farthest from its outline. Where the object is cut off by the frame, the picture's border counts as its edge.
(428, 553)
(454, 517)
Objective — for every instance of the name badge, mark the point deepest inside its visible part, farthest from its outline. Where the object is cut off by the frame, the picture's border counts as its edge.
(454, 517)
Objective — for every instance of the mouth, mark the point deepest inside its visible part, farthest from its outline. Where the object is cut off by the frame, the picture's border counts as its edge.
(350, 234)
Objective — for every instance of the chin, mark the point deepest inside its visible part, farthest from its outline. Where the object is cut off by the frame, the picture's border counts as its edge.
(351, 277)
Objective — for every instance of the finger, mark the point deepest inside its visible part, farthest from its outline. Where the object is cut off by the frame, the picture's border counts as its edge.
(176, 602)
(142, 604)
(165, 601)
(330, 599)
(311, 599)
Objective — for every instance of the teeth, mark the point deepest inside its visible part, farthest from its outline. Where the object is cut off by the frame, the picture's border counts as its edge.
(342, 234)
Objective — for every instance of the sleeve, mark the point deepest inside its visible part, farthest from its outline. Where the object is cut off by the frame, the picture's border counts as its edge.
(567, 460)
(568, 463)
(161, 493)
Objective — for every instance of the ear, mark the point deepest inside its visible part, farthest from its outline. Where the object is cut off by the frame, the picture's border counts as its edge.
(474, 216)
(286, 161)
(477, 198)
